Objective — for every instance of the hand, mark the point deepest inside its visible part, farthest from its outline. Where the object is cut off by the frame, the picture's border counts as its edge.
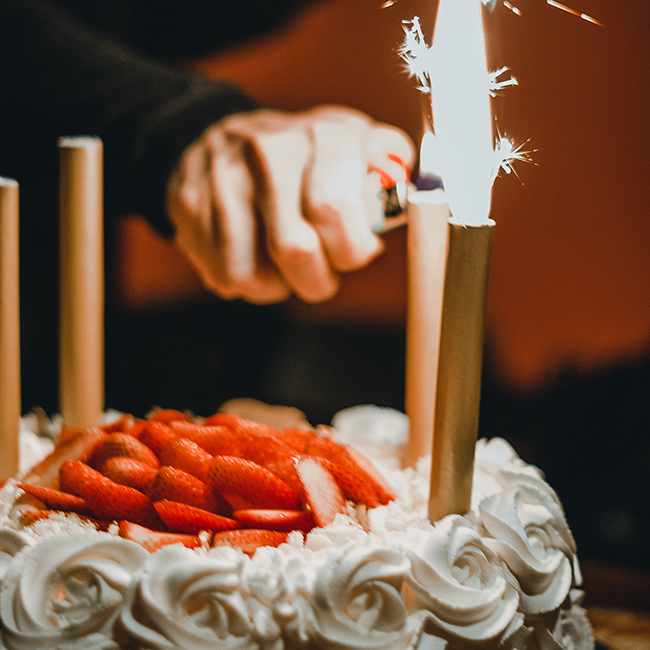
(269, 203)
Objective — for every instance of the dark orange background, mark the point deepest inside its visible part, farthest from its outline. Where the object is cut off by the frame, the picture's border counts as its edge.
(570, 276)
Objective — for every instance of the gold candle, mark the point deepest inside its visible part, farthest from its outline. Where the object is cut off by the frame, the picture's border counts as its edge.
(81, 362)
(459, 370)
(10, 406)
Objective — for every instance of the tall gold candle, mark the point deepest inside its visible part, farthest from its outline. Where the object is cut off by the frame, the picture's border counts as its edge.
(428, 214)
(10, 406)
(81, 362)
(459, 370)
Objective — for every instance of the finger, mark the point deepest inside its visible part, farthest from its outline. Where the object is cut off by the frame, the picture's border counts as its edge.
(391, 151)
(245, 269)
(335, 194)
(294, 245)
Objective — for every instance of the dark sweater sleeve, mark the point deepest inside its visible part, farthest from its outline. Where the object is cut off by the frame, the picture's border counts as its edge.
(60, 78)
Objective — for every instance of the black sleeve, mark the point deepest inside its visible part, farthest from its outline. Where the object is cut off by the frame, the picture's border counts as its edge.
(60, 78)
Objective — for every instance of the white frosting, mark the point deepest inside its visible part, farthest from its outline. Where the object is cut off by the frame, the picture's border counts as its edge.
(185, 600)
(11, 542)
(531, 535)
(461, 583)
(66, 591)
(358, 603)
(377, 579)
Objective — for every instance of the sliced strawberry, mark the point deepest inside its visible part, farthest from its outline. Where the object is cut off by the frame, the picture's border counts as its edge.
(107, 499)
(353, 485)
(223, 420)
(282, 520)
(57, 500)
(168, 415)
(297, 438)
(127, 471)
(384, 492)
(249, 540)
(123, 445)
(78, 447)
(75, 477)
(322, 492)
(156, 434)
(355, 464)
(30, 517)
(123, 424)
(240, 425)
(183, 518)
(153, 540)
(185, 454)
(177, 485)
(68, 433)
(248, 480)
(272, 454)
(215, 440)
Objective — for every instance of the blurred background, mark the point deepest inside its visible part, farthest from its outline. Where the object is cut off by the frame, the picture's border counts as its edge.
(567, 371)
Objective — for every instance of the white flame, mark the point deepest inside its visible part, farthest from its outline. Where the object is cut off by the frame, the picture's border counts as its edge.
(456, 69)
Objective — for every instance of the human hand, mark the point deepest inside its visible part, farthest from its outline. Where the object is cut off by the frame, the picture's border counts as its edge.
(270, 203)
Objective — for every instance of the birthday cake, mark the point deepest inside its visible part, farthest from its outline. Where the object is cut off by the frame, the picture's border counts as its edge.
(166, 534)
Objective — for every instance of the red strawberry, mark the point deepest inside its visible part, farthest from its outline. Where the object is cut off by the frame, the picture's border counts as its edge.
(239, 424)
(184, 518)
(127, 471)
(155, 434)
(153, 540)
(384, 493)
(321, 490)
(354, 463)
(67, 432)
(123, 424)
(352, 485)
(75, 477)
(215, 440)
(56, 499)
(223, 420)
(297, 438)
(77, 447)
(123, 445)
(177, 485)
(185, 454)
(30, 517)
(108, 500)
(248, 480)
(249, 540)
(168, 415)
(282, 520)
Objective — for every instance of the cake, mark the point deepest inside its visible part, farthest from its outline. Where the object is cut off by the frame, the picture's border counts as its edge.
(505, 575)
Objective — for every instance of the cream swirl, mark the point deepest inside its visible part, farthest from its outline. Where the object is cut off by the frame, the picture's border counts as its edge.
(462, 584)
(11, 542)
(571, 631)
(530, 534)
(186, 600)
(66, 591)
(358, 603)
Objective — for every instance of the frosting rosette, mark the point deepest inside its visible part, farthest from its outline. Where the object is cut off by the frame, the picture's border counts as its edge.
(358, 602)
(67, 590)
(571, 631)
(186, 600)
(462, 584)
(529, 532)
(11, 543)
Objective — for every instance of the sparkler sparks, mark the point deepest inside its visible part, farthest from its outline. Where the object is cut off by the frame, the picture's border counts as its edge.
(506, 153)
(550, 3)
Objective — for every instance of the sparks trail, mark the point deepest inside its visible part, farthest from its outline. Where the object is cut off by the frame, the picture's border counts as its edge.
(551, 3)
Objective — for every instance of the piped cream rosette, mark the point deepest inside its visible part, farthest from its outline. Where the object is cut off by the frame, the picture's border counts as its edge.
(67, 590)
(527, 529)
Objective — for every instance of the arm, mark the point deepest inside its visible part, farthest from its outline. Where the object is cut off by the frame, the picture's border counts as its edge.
(60, 78)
